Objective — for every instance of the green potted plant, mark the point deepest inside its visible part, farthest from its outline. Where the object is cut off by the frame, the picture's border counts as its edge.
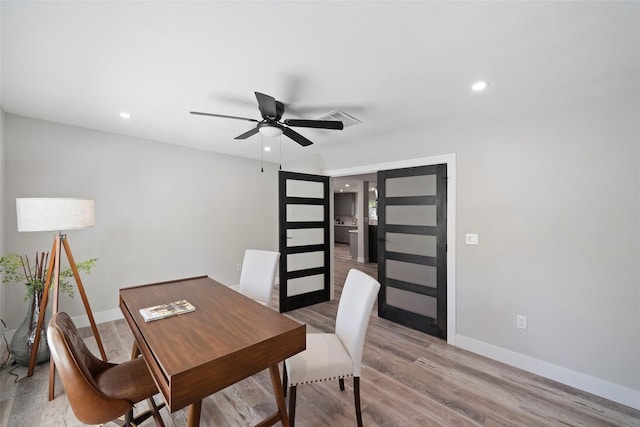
(17, 269)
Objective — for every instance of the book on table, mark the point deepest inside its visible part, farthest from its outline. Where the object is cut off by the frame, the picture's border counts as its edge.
(166, 310)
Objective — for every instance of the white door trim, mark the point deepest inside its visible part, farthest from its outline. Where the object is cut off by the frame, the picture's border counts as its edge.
(450, 161)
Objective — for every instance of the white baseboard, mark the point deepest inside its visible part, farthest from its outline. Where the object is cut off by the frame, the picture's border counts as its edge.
(99, 317)
(617, 393)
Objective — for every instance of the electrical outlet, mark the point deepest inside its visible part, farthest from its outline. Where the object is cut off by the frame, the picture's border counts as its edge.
(471, 239)
(521, 322)
(238, 267)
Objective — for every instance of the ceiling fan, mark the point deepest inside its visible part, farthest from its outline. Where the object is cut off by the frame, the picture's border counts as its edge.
(271, 124)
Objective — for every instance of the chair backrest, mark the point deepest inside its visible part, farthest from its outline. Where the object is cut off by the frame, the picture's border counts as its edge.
(354, 310)
(259, 274)
(77, 367)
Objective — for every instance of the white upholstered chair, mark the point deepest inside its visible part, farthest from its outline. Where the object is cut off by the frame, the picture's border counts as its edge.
(258, 275)
(338, 355)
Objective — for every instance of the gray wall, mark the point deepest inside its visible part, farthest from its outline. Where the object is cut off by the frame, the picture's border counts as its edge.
(553, 193)
(162, 212)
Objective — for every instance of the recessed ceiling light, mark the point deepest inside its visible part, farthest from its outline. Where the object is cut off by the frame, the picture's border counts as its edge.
(267, 148)
(479, 86)
(125, 115)
(346, 185)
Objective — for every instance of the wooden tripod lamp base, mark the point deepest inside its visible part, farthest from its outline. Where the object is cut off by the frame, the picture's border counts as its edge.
(60, 240)
(53, 214)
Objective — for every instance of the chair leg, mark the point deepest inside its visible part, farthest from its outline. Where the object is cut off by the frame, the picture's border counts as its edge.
(156, 411)
(292, 406)
(128, 418)
(132, 421)
(284, 379)
(341, 382)
(356, 398)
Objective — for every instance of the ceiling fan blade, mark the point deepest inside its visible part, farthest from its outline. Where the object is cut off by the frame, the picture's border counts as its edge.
(223, 116)
(296, 136)
(247, 134)
(267, 105)
(317, 124)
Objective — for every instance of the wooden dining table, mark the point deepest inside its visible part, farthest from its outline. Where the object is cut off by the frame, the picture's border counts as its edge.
(228, 337)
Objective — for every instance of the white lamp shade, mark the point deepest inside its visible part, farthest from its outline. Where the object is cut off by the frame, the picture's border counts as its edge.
(54, 214)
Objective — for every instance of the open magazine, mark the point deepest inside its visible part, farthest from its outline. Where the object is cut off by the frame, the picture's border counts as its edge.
(166, 310)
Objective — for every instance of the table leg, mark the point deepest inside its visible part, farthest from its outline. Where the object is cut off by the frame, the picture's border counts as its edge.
(193, 419)
(279, 394)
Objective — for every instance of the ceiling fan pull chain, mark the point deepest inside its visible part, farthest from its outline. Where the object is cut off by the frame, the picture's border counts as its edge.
(262, 155)
(280, 152)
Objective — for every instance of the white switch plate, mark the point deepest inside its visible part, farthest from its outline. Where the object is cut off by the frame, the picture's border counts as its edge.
(472, 239)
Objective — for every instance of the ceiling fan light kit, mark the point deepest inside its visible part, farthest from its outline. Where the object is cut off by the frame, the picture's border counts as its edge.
(269, 130)
(271, 125)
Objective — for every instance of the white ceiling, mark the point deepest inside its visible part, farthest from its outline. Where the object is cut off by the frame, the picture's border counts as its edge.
(396, 66)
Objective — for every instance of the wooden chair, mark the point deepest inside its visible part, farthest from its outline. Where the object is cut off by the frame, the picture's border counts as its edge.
(99, 391)
(258, 275)
(338, 355)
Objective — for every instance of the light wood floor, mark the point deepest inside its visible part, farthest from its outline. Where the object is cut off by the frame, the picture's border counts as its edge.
(408, 379)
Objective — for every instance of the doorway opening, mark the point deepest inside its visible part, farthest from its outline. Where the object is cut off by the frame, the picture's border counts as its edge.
(355, 217)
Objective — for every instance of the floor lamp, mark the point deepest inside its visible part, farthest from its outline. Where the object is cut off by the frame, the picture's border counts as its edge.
(56, 214)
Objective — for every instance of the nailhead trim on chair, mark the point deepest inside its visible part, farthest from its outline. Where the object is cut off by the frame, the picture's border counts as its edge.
(323, 379)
